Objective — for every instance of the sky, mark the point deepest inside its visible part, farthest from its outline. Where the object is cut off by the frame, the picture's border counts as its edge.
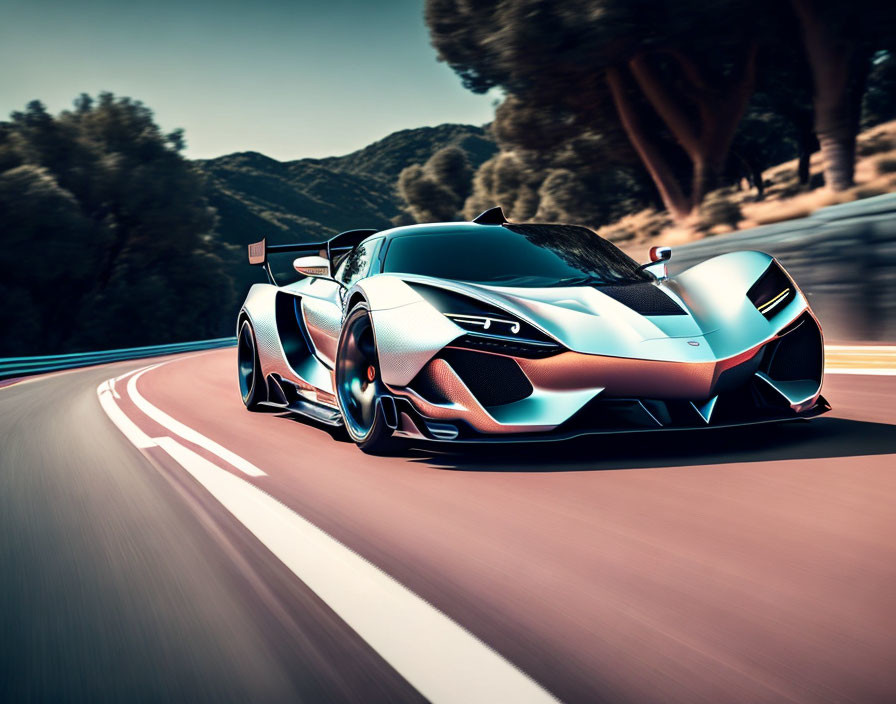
(290, 79)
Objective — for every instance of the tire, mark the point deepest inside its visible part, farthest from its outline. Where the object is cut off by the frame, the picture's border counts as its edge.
(358, 385)
(248, 367)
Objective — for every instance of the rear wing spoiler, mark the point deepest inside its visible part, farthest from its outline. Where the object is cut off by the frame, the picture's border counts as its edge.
(343, 242)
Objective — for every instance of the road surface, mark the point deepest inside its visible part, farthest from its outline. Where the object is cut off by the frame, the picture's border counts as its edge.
(211, 554)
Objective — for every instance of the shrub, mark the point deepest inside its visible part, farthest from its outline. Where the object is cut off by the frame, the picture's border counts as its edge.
(719, 209)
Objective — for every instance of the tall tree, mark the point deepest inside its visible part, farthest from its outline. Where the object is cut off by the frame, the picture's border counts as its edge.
(436, 191)
(778, 124)
(830, 37)
(117, 223)
(879, 104)
(840, 39)
(687, 67)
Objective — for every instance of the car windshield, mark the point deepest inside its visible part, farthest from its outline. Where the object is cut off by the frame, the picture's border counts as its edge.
(515, 255)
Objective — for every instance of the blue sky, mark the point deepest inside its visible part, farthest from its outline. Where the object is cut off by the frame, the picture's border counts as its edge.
(288, 79)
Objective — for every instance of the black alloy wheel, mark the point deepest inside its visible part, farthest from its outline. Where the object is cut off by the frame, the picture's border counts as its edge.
(359, 388)
(248, 367)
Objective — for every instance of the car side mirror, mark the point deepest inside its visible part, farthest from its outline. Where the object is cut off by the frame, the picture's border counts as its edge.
(314, 266)
(660, 254)
(657, 264)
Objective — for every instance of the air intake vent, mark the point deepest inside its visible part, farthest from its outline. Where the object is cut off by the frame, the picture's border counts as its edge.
(291, 329)
(797, 354)
(644, 298)
(494, 380)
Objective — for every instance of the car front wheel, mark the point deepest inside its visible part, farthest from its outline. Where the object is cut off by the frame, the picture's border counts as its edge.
(359, 388)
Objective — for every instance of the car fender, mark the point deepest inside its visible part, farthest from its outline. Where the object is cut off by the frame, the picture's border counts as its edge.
(408, 330)
(715, 291)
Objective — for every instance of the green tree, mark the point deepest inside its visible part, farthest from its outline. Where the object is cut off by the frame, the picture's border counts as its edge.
(879, 103)
(614, 65)
(542, 149)
(436, 191)
(114, 224)
(49, 254)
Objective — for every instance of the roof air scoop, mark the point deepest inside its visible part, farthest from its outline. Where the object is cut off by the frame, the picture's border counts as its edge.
(492, 216)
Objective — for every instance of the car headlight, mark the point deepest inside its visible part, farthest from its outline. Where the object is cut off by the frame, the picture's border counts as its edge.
(489, 328)
(772, 291)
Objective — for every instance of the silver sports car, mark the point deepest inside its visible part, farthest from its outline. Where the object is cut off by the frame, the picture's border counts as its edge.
(492, 330)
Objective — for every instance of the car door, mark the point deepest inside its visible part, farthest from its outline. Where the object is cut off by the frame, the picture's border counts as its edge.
(322, 299)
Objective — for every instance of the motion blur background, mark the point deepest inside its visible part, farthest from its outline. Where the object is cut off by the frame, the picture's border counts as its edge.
(148, 143)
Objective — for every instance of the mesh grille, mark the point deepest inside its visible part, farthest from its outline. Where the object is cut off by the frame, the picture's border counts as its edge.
(426, 386)
(493, 379)
(643, 298)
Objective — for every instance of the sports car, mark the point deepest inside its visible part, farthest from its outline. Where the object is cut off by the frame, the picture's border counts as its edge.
(490, 331)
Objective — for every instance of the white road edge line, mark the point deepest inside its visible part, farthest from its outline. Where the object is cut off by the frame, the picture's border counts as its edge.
(404, 629)
(184, 431)
(130, 430)
(861, 348)
(437, 656)
(883, 371)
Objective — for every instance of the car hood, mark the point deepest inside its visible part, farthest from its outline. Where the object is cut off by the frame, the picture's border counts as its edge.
(586, 319)
(716, 321)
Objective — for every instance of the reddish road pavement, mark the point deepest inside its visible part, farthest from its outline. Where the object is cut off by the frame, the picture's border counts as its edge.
(755, 565)
(718, 566)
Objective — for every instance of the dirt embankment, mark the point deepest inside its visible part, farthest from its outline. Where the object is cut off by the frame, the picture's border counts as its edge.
(737, 208)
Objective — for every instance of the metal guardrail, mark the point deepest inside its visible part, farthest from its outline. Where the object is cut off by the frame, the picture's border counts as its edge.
(22, 366)
(842, 256)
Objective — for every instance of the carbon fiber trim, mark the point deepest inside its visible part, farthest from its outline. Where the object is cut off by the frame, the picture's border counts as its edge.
(643, 298)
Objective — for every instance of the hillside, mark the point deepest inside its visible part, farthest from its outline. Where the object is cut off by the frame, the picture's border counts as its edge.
(309, 199)
(387, 157)
(731, 209)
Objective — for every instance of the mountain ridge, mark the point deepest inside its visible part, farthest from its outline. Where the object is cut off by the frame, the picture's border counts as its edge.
(313, 198)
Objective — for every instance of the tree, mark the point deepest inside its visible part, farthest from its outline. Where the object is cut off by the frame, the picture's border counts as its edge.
(115, 225)
(879, 103)
(542, 149)
(832, 55)
(560, 195)
(436, 191)
(49, 253)
(687, 67)
(506, 180)
(840, 39)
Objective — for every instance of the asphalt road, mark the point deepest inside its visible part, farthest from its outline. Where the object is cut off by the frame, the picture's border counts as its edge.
(719, 566)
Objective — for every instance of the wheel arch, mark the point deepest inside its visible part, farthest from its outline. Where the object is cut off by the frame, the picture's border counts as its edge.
(355, 297)
(242, 317)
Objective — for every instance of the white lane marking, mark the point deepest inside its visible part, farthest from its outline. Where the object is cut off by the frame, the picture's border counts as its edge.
(863, 360)
(117, 416)
(860, 372)
(436, 655)
(861, 348)
(442, 660)
(184, 431)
